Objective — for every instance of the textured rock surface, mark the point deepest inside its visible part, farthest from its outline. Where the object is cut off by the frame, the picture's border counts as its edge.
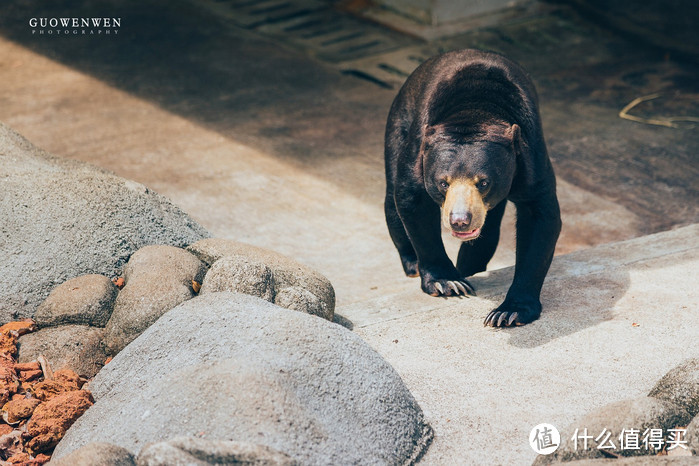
(239, 368)
(693, 435)
(158, 278)
(639, 413)
(287, 273)
(200, 452)
(300, 299)
(77, 347)
(97, 454)
(240, 275)
(680, 386)
(17, 409)
(51, 419)
(638, 461)
(83, 300)
(60, 219)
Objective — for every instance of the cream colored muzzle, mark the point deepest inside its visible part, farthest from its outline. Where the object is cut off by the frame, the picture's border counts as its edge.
(463, 211)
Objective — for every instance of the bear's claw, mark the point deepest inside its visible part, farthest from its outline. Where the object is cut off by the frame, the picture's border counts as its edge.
(466, 288)
(452, 285)
(514, 313)
(512, 318)
(501, 319)
(454, 288)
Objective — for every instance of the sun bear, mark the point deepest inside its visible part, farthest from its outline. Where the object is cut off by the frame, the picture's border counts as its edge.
(464, 136)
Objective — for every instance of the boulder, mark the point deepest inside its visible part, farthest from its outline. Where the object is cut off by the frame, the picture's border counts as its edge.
(638, 413)
(638, 461)
(60, 219)
(97, 454)
(317, 297)
(680, 386)
(300, 299)
(157, 279)
(235, 367)
(693, 435)
(240, 275)
(84, 300)
(76, 347)
(201, 452)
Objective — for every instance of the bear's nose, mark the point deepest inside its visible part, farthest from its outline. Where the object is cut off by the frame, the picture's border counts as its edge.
(460, 221)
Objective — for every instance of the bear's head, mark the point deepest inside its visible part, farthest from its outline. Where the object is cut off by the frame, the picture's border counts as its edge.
(468, 170)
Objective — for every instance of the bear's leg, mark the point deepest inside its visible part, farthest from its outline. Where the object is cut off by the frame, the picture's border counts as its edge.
(400, 238)
(538, 227)
(475, 255)
(421, 218)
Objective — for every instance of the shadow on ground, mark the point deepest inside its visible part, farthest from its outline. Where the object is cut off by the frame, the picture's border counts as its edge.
(566, 309)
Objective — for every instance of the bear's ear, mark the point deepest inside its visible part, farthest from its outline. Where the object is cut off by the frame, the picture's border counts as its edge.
(513, 133)
(429, 132)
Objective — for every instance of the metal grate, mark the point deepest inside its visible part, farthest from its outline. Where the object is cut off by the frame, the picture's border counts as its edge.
(319, 30)
(388, 70)
(379, 54)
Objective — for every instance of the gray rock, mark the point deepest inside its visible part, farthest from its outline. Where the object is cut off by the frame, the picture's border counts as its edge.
(299, 299)
(653, 460)
(639, 413)
(84, 300)
(680, 386)
(195, 451)
(60, 219)
(693, 435)
(239, 368)
(97, 454)
(166, 263)
(76, 347)
(287, 272)
(240, 275)
(157, 278)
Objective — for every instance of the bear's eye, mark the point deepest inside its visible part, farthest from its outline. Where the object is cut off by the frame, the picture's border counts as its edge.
(483, 184)
(443, 184)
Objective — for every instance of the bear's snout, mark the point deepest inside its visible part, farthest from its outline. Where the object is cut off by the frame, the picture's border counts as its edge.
(460, 221)
(463, 211)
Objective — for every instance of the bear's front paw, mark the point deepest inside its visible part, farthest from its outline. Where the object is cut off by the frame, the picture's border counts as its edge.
(441, 287)
(513, 312)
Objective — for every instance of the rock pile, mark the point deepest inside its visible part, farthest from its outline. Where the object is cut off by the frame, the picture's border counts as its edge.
(87, 319)
(60, 219)
(223, 352)
(226, 366)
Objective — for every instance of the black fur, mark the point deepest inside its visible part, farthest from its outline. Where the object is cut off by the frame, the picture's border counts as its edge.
(449, 119)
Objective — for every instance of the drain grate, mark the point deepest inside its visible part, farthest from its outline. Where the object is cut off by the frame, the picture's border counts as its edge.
(391, 69)
(252, 14)
(321, 31)
(374, 53)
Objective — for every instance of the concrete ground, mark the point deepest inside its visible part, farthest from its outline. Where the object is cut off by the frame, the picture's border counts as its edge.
(267, 133)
